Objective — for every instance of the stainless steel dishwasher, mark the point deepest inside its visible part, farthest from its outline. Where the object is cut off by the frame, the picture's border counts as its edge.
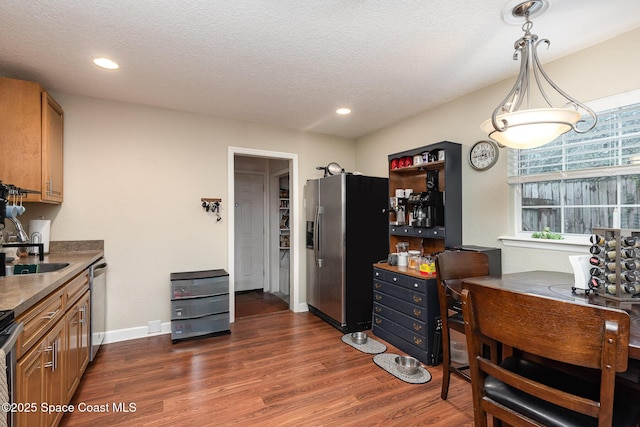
(98, 287)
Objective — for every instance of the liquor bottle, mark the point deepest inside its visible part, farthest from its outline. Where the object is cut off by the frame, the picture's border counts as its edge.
(598, 262)
(630, 288)
(596, 272)
(596, 240)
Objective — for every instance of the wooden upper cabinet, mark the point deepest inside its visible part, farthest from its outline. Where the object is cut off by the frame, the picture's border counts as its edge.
(31, 139)
(52, 142)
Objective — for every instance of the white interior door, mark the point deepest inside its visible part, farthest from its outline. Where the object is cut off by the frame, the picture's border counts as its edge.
(249, 232)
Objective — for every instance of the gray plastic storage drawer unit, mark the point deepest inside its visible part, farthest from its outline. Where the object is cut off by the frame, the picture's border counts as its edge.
(199, 303)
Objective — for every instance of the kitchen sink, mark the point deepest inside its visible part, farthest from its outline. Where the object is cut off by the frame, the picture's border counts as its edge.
(48, 267)
(45, 267)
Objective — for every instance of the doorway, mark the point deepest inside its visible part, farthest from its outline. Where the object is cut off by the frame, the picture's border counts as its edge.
(256, 179)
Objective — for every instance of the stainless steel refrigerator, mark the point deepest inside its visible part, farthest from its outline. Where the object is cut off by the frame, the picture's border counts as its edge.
(347, 231)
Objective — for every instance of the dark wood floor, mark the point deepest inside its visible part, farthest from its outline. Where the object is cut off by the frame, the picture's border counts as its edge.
(250, 303)
(282, 368)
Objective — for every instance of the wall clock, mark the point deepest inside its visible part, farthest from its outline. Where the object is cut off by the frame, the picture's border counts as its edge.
(483, 155)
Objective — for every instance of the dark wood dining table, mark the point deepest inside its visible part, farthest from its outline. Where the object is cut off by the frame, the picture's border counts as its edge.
(558, 286)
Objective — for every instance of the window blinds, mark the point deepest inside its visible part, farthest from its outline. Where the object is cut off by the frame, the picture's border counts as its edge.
(611, 148)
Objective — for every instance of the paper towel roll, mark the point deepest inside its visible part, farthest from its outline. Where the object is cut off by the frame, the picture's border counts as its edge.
(43, 227)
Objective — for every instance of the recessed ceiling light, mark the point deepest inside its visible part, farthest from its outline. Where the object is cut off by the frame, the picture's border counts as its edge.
(106, 63)
(343, 111)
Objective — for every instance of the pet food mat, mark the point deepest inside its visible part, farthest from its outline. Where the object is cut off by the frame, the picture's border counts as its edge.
(369, 347)
(387, 362)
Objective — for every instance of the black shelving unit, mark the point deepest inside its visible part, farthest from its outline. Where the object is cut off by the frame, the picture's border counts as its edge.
(405, 307)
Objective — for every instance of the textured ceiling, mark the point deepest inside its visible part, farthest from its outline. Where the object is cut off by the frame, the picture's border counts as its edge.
(288, 63)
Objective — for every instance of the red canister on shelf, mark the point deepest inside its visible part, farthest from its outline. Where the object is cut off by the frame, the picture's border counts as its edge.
(394, 163)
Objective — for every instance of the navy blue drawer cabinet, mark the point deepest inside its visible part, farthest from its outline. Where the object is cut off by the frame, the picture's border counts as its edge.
(405, 312)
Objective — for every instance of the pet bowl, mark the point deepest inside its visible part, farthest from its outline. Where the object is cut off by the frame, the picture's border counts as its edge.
(359, 337)
(407, 365)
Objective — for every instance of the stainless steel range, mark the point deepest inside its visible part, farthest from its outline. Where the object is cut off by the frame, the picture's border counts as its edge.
(9, 331)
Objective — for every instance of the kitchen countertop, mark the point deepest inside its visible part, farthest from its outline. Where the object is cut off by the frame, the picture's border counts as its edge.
(21, 292)
(403, 270)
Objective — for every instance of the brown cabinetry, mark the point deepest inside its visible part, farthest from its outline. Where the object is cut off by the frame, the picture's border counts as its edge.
(53, 351)
(31, 139)
(77, 340)
(39, 379)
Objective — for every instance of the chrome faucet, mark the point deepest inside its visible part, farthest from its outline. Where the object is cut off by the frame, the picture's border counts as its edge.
(23, 240)
(22, 236)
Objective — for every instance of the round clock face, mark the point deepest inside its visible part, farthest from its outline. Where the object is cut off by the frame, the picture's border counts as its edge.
(483, 155)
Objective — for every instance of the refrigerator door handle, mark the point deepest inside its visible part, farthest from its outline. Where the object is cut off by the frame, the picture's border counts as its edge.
(317, 248)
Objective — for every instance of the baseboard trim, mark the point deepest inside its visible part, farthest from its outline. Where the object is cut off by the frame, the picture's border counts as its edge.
(137, 332)
(134, 333)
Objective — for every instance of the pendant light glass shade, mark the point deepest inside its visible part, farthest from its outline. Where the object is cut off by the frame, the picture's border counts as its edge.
(515, 125)
(531, 128)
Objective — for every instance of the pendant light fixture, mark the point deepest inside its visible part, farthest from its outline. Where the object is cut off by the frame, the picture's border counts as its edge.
(515, 125)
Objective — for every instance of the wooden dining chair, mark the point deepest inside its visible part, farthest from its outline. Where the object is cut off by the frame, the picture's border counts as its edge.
(522, 391)
(452, 265)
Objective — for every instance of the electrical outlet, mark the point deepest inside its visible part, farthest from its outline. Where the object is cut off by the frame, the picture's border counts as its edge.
(154, 326)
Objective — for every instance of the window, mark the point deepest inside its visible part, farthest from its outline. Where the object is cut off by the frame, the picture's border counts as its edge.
(582, 181)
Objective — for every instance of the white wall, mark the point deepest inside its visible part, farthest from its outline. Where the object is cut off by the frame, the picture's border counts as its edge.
(602, 70)
(134, 177)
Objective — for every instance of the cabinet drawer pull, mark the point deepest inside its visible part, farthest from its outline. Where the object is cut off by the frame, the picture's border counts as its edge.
(377, 309)
(377, 285)
(51, 314)
(417, 341)
(417, 298)
(417, 327)
(395, 279)
(53, 363)
(54, 356)
(378, 321)
(83, 310)
(417, 312)
(378, 298)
